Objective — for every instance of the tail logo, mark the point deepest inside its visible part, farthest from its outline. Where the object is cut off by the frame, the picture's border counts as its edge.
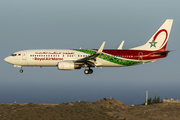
(153, 43)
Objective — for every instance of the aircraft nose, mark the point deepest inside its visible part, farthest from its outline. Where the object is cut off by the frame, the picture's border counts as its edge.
(6, 59)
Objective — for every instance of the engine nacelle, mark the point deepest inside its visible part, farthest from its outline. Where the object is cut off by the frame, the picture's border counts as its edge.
(67, 65)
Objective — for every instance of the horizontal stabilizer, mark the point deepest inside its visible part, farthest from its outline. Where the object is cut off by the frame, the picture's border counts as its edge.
(162, 52)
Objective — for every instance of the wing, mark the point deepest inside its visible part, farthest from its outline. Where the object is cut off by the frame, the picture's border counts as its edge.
(91, 60)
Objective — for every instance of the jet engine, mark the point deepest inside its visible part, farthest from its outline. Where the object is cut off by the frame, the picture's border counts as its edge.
(68, 65)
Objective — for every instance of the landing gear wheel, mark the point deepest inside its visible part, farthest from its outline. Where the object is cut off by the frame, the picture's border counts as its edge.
(21, 71)
(90, 71)
(86, 72)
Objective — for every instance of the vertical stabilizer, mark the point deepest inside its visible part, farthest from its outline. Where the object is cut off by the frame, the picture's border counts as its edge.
(159, 40)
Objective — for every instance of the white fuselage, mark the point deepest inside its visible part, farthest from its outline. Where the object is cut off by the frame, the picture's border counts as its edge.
(51, 57)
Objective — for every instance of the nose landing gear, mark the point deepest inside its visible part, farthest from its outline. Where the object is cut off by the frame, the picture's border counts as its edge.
(21, 70)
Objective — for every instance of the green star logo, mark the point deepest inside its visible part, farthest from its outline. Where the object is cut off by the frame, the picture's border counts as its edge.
(153, 43)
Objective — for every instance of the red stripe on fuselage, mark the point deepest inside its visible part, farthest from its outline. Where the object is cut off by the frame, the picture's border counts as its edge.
(134, 54)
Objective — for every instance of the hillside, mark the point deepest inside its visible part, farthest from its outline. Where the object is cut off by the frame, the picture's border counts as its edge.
(106, 109)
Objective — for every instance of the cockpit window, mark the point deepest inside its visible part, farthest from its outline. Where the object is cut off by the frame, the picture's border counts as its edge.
(13, 54)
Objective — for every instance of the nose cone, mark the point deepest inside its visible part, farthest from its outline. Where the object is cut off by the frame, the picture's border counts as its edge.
(6, 59)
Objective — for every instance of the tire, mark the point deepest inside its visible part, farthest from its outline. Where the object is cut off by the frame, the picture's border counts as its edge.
(86, 72)
(21, 71)
(90, 71)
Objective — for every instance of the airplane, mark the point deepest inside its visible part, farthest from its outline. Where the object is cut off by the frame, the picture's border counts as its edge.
(71, 59)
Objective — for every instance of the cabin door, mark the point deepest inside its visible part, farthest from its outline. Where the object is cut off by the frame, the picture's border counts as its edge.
(24, 56)
(74, 56)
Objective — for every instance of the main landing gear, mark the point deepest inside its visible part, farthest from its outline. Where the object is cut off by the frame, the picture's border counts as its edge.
(88, 71)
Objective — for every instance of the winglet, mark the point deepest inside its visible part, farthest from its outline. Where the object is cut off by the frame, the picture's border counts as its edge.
(101, 48)
(121, 45)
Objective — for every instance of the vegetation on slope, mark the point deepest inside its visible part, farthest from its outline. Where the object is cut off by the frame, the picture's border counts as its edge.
(65, 111)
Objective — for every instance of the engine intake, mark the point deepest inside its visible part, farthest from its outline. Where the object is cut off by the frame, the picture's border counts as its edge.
(68, 65)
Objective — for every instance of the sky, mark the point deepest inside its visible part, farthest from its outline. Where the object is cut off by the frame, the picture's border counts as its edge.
(70, 24)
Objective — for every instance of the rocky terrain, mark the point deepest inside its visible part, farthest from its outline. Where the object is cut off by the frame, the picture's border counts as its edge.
(105, 109)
